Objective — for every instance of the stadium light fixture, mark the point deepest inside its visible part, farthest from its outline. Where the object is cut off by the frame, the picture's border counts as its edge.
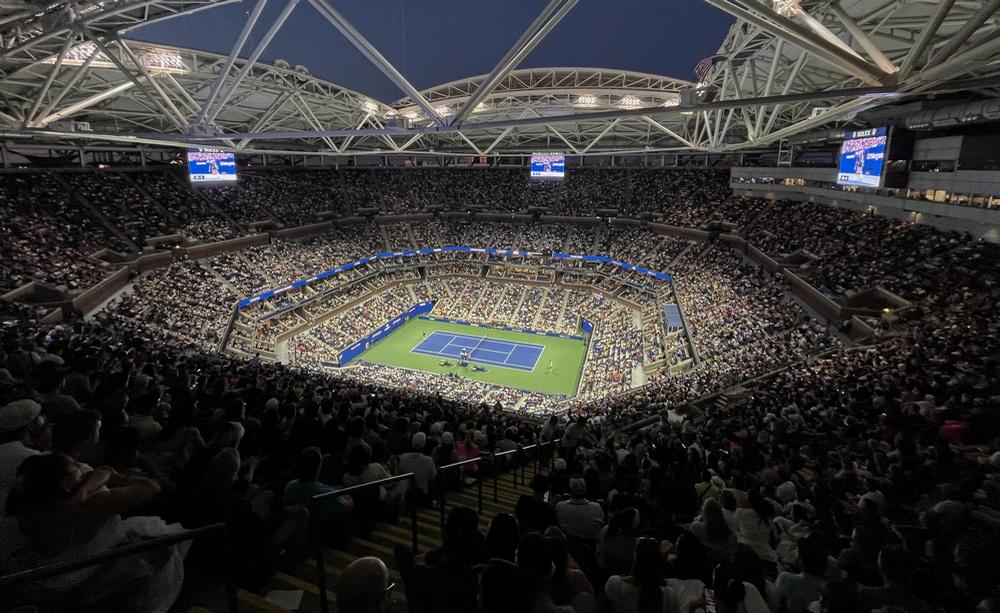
(587, 100)
(630, 102)
(788, 8)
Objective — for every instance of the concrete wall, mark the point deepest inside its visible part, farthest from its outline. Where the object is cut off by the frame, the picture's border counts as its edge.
(979, 182)
(827, 175)
(302, 231)
(984, 223)
(944, 148)
(685, 233)
(88, 300)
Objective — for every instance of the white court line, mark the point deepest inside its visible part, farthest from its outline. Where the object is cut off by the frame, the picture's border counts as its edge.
(497, 340)
(506, 361)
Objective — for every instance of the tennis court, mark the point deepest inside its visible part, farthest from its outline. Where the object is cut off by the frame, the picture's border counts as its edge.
(481, 350)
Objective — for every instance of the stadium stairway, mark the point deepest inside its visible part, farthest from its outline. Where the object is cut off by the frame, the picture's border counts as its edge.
(381, 543)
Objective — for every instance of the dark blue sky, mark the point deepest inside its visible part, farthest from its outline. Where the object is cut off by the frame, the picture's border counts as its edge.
(434, 41)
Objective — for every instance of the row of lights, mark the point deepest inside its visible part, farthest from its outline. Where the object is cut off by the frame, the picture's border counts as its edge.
(625, 102)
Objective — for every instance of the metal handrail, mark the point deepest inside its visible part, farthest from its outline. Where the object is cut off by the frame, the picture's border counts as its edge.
(346, 491)
(479, 485)
(496, 476)
(314, 516)
(317, 537)
(59, 568)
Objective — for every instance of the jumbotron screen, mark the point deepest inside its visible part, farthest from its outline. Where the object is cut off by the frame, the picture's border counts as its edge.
(548, 165)
(862, 157)
(209, 165)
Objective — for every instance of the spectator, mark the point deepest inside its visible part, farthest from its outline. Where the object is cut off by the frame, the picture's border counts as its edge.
(734, 596)
(422, 466)
(501, 589)
(535, 563)
(644, 590)
(64, 514)
(616, 542)
(714, 532)
(839, 596)
(533, 512)
(568, 582)
(859, 562)
(754, 522)
(49, 376)
(76, 433)
(793, 593)
(894, 565)
(364, 587)
(20, 425)
(502, 537)
(306, 485)
(579, 517)
(444, 581)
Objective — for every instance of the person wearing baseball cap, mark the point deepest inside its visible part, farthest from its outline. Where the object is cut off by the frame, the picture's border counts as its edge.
(19, 423)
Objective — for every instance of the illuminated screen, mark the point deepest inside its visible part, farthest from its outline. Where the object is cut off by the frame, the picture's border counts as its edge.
(861, 158)
(206, 165)
(548, 165)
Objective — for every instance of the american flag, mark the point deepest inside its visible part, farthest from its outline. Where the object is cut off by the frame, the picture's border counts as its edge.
(701, 68)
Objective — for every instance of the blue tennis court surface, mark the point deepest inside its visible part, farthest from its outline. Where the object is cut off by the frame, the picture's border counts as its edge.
(482, 350)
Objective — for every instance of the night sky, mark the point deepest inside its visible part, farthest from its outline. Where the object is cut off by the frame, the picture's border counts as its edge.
(435, 41)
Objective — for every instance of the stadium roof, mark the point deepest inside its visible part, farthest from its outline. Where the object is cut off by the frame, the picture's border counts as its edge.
(787, 66)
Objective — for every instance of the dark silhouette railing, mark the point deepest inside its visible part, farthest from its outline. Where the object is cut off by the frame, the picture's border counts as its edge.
(59, 568)
(532, 452)
(316, 533)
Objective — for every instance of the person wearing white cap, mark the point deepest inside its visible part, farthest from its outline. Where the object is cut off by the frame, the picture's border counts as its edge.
(578, 516)
(19, 423)
(420, 464)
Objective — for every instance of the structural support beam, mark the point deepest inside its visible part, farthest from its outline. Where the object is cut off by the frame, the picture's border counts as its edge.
(83, 104)
(149, 79)
(551, 15)
(956, 40)
(410, 142)
(781, 27)
(498, 139)
(563, 139)
(10, 119)
(78, 74)
(52, 76)
(659, 126)
(960, 64)
(237, 48)
(606, 129)
(777, 58)
(250, 61)
(368, 50)
(311, 119)
(472, 144)
(131, 77)
(863, 39)
(551, 120)
(789, 83)
(925, 38)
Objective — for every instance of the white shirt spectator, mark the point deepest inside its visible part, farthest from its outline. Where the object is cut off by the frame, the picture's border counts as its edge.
(418, 463)
(580, 517)
(622, 594)
(755, 533)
